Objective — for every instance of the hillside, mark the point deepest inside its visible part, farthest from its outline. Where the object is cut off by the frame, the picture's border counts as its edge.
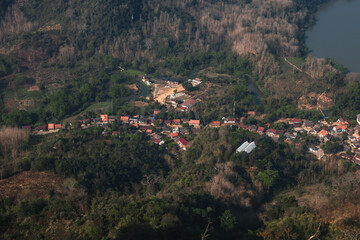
(87, 151)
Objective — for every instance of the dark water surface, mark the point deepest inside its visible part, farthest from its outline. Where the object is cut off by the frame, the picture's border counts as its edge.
(336, 33)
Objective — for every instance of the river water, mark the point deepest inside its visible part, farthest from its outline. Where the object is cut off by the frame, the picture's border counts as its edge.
(336, 33)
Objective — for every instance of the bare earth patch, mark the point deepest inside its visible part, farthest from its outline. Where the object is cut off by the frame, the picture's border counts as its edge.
(161, 92)
(140, 104)
(34, 89)
(32, 183)
(314, 101)
(132, 87)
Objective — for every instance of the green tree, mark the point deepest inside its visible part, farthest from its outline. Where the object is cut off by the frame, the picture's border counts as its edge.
(227, 220)
(268, 177)
(187, 86)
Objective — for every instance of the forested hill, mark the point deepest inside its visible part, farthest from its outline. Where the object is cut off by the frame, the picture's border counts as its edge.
(133, 173)
(64, 31)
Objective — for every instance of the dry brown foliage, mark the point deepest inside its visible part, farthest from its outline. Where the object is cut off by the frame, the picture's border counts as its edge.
(221, 188)
(317, 67)
(11, 138)
(14, 23)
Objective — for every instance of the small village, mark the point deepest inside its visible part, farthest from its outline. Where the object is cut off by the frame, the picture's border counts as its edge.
(182, 131)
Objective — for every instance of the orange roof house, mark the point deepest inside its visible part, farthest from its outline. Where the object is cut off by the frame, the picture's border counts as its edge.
(216, 124)
(323, 133)
(58, 126)
(174, 135)
(176, 121)
(104, 117)
(51, 126)
(194, 122)
(124, 118)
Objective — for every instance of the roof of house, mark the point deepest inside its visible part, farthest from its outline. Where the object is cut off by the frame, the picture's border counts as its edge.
(261, 129)
(246, 147)
(176, 121)
(296, 120)
(183, 141)
(272, 131)
(323, 133)
(189, 103)
(43, 127)
(308, 124)
(194, 122)
(276, 131)
(124, 118)
(242, 146)
(216, 123)
(250, 147)
(174, 135)
(343, 127)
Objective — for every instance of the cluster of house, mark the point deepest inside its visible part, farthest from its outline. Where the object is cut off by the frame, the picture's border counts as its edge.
(177, 129)
(184, 100)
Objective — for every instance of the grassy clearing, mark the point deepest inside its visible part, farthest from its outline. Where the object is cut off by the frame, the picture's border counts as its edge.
(101, 106)
(297, 61)
(132, 72)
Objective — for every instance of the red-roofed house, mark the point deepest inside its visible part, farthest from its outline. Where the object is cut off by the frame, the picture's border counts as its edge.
(28, 127)
(189, 104)
(274, 132)
(58, 126)
(115, 133)
(149, 131)
(232, 120)
(261, 130)
(157, 112)
(51, 126)
(182, 143)
(296, 121)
